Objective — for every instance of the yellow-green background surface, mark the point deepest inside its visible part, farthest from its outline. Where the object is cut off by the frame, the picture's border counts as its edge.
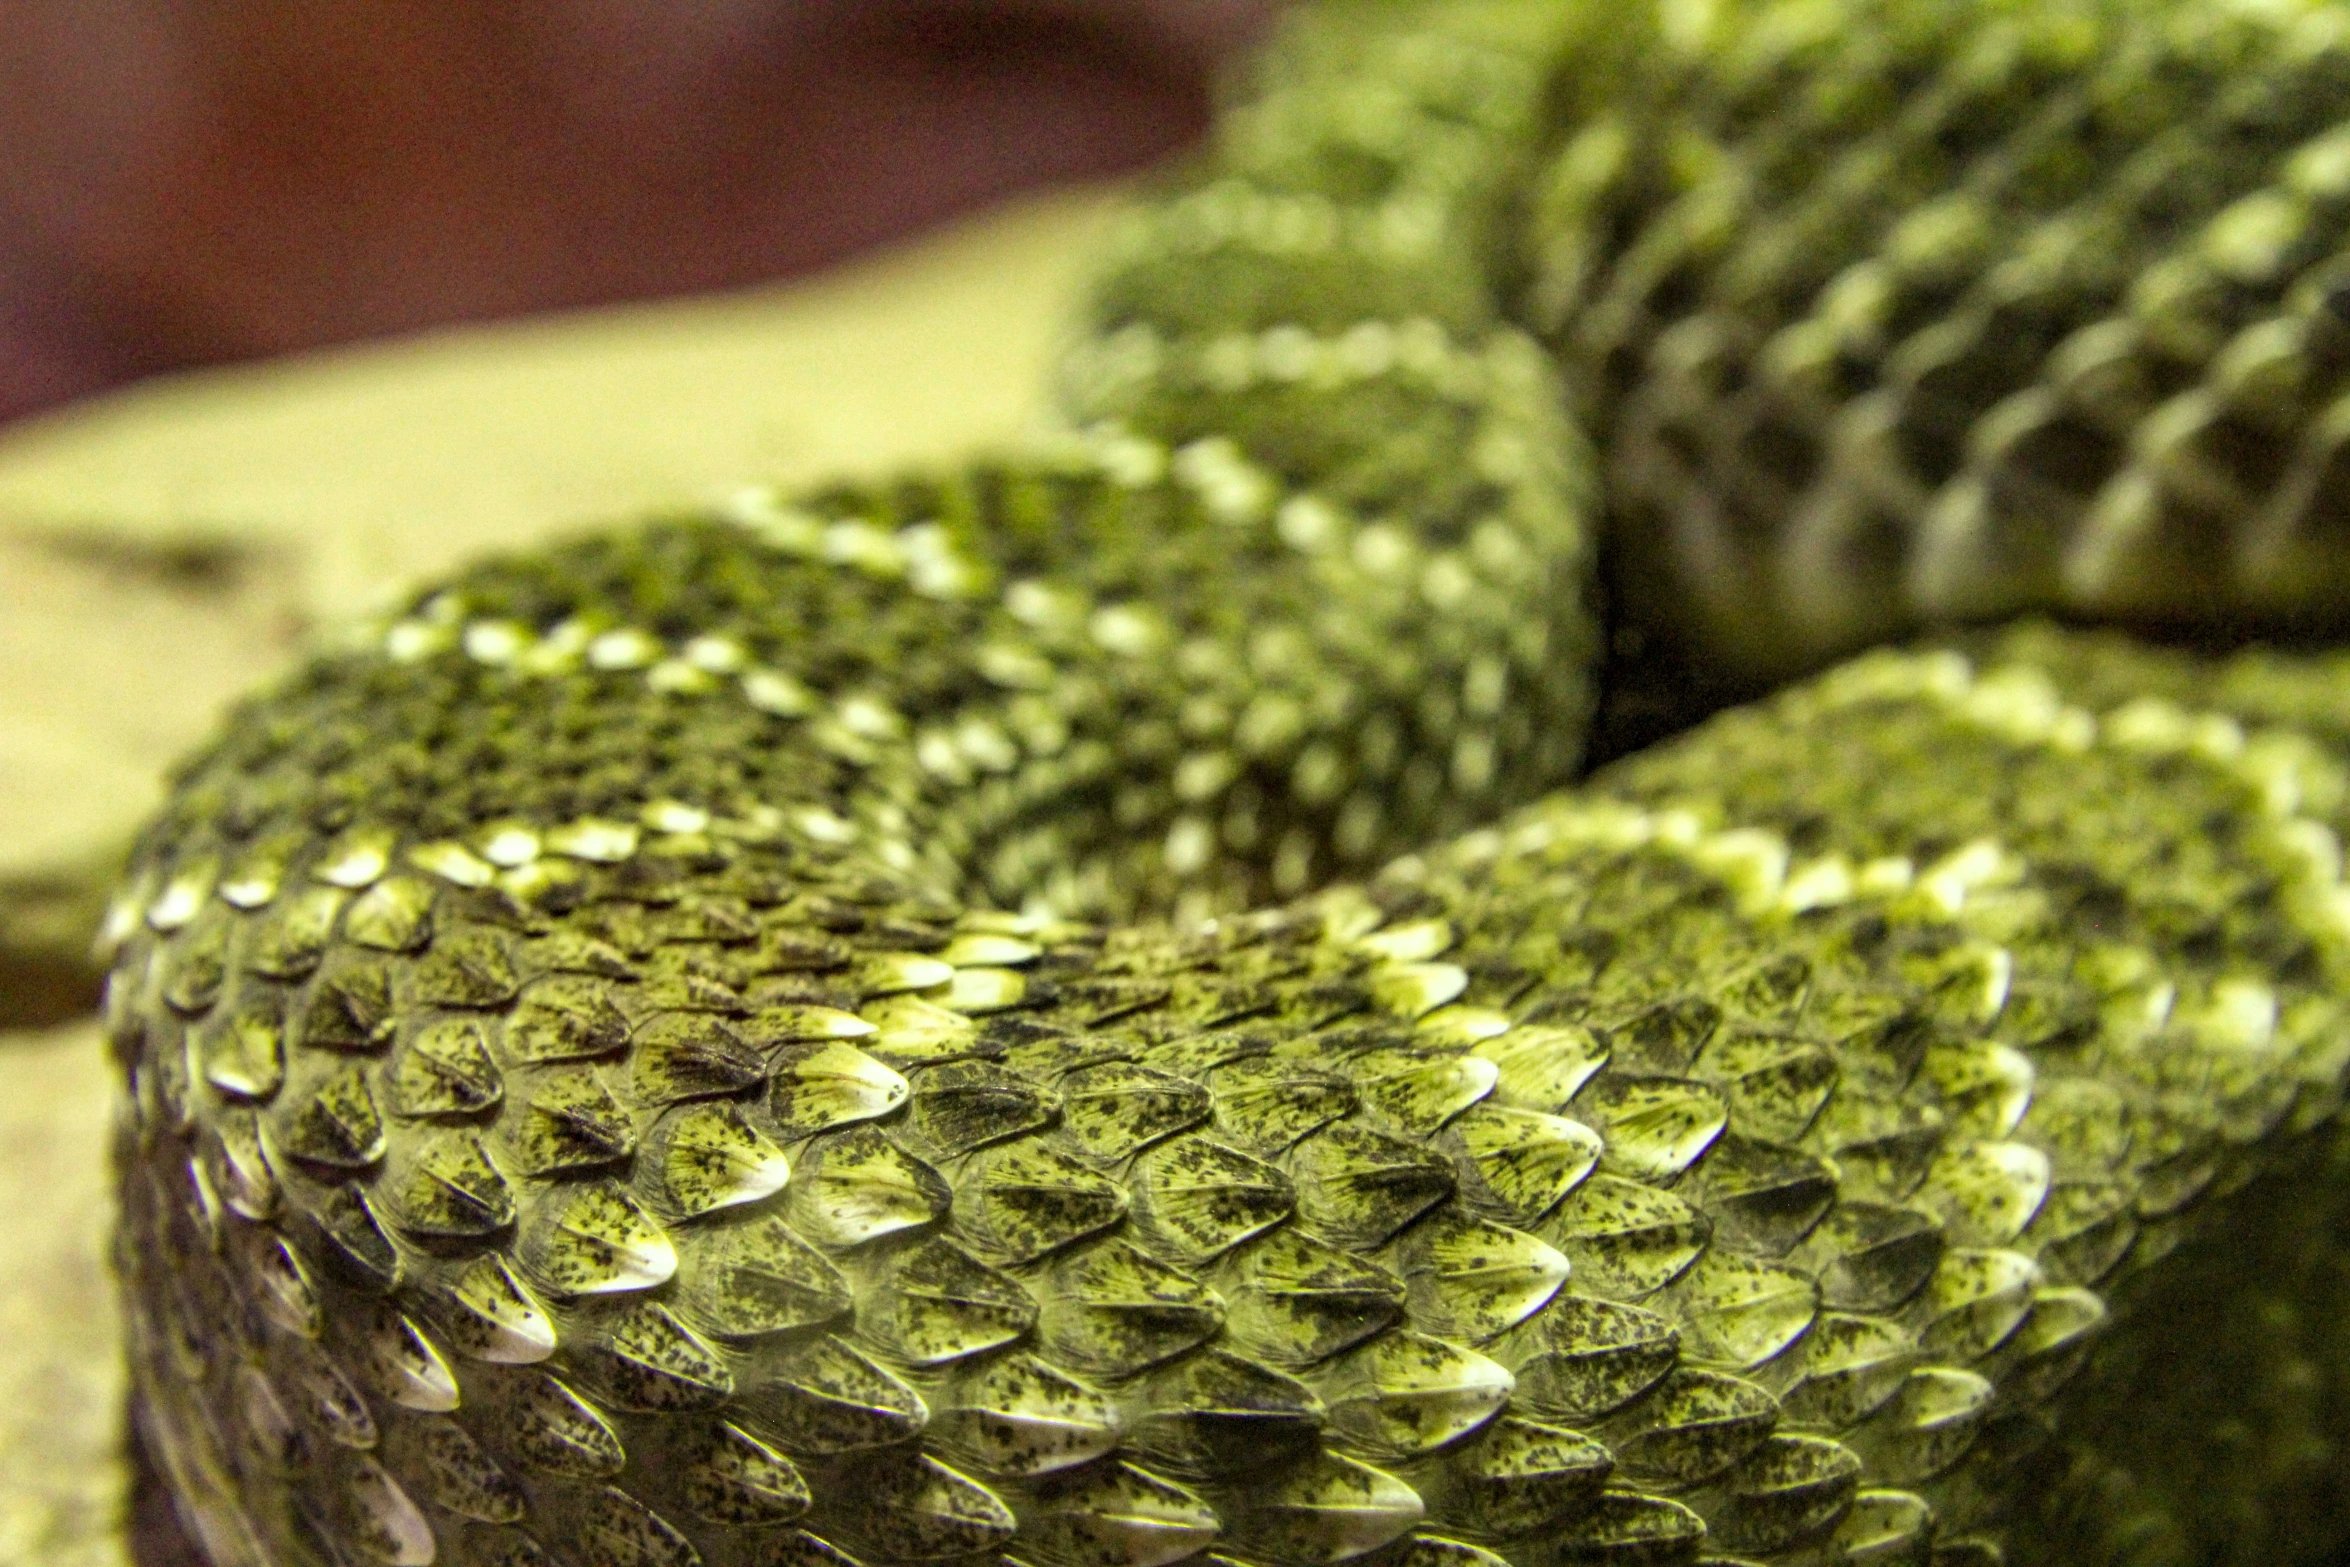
(167, 547)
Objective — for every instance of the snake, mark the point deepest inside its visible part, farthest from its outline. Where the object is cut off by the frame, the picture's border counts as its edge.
(1626, 849)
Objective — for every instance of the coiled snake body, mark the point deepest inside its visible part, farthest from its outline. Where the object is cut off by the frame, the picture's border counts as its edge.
(1064, 1012)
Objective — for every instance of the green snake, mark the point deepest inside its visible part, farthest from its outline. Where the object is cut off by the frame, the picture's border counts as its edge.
(1080, 1010)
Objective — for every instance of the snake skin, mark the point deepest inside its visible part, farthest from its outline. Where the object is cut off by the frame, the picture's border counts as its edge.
(744, 1042)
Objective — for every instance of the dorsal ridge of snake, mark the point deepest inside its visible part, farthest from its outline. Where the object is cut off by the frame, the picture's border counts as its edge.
(1070, 1010)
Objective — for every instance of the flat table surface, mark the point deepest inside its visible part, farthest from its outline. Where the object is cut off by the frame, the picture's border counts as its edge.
(168, 547)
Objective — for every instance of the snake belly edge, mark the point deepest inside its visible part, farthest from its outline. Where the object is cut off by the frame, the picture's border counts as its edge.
(1071, 1012)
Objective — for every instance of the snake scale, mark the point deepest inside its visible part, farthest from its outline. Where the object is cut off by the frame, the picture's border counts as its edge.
(1078, 1011)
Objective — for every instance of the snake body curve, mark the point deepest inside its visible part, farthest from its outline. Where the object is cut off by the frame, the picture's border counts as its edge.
(1063, 1012)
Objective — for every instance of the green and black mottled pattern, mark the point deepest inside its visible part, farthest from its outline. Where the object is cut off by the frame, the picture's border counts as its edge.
(1056, 1014)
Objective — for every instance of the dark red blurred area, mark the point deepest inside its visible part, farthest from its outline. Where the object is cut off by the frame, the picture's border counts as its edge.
(185, 182)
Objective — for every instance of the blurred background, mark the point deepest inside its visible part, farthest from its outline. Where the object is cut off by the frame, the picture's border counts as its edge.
(185, 182)
(301, 303)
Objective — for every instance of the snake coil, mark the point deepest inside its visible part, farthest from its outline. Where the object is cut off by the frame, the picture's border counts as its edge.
(1070, 1012)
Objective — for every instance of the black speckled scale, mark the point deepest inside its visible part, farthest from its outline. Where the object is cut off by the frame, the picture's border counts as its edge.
(1070, 1012)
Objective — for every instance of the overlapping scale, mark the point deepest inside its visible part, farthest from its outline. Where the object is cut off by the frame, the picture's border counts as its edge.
(1017, 1414)
(1127, 1517)
(933, 1303)
(1296, 1300)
